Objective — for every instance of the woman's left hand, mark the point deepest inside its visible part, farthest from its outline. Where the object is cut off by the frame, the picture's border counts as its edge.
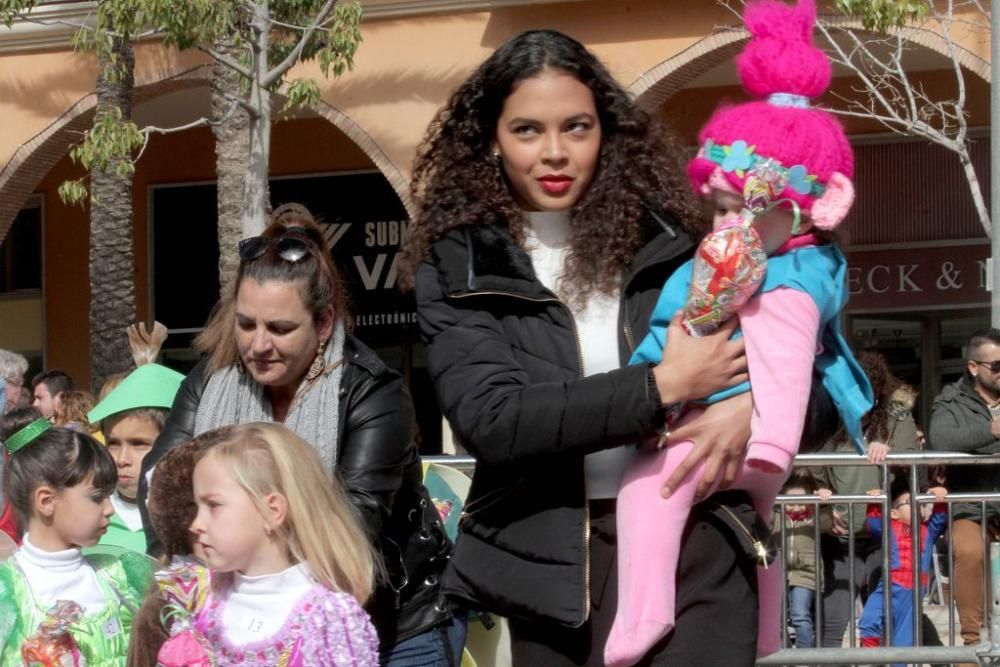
(877, 451)
(720, 436)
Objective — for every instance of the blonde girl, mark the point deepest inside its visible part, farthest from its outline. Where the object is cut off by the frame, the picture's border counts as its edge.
(291, 564)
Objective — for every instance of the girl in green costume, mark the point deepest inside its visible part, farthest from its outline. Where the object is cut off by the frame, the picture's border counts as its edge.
(54, 602)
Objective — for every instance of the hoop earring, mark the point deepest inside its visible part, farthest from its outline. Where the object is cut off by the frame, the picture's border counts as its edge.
(318, 364)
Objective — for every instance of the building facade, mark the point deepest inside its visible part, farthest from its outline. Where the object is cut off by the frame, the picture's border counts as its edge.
(915, 244)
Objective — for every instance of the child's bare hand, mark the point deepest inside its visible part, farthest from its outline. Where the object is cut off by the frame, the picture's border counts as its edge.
(824, 494)
(877, 452)
(839, 527)
(939, 493)
(874, 492)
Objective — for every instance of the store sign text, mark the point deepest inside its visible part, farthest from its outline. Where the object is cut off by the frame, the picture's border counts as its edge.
(378, 271)
(929, 277)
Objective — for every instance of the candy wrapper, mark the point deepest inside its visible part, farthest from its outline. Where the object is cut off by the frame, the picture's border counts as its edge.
(184, 583)
(53, 645)
(728, 269)
(763, 185)
(184, 586)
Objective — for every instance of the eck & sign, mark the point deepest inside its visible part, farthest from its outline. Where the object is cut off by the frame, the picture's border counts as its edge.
(927, 277)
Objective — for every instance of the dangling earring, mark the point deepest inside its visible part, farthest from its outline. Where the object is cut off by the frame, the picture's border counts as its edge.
(496, 156)
(240, 368)
(318, 364)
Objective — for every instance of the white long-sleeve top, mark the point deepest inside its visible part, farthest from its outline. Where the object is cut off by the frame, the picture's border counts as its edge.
(547, 243)
(258, 606)
(60, 575)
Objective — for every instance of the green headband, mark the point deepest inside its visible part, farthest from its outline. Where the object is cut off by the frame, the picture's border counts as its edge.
(27, 435)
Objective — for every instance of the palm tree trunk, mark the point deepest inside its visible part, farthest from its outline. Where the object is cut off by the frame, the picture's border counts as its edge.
(112, 265)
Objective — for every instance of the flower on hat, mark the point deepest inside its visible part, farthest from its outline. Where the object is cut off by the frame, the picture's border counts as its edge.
(738, 157)
(800, 180)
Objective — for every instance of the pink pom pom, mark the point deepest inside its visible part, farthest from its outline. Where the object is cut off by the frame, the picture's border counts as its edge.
(781, 57)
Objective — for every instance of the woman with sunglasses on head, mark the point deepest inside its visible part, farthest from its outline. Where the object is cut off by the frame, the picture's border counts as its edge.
(279, 349)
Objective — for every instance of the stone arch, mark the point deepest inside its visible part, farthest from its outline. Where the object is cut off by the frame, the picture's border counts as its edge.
(659, 83)
(35, 158)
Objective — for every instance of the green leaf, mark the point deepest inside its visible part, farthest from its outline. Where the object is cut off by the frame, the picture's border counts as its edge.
(109, 144)
(301, 93)
(12, 9)
(73, 192)
(884, 15)
(342, 39)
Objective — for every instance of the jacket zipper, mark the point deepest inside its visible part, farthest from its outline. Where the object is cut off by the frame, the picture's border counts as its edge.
(579, 355)
(628, 337)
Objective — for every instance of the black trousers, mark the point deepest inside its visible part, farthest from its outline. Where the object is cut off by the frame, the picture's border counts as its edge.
(716, 624)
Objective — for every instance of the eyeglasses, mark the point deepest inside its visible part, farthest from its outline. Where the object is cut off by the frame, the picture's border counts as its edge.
(994, 366)
(290, 247)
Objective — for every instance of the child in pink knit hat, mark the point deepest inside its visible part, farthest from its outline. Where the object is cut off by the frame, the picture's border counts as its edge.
(778, 172)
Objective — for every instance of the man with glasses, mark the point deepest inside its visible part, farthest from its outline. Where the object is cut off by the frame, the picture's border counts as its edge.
(966, 418)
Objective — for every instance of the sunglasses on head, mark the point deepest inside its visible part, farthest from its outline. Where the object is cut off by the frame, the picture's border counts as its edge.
(994, 366)
(291, 247)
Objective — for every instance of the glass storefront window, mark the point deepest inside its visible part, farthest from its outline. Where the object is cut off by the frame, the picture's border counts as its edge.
(924, 349)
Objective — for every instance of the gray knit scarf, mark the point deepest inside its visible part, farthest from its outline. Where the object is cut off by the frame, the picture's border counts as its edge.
(232, 397)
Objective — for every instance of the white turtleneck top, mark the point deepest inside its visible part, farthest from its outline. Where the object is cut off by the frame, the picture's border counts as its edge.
(60, 575)
(547, 243)
(258, 606)
(127, 511)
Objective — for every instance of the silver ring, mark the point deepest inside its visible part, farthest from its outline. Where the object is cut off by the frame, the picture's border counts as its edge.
(662, 442)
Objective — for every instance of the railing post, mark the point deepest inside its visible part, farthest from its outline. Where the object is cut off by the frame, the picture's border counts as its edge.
(995, 597)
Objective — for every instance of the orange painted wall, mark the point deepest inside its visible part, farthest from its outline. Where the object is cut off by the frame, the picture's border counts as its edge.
(298, 147)
(688, 110)
(402, 77)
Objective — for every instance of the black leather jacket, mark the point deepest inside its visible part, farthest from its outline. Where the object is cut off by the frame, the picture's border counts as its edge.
(381, 470)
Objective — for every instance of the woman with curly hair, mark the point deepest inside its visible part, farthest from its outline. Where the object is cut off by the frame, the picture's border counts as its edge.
(550, 211)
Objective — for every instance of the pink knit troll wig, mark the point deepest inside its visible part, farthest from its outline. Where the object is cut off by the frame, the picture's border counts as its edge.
(784, 70)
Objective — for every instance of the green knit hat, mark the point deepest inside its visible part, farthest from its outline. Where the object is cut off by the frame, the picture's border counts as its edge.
(148, 386)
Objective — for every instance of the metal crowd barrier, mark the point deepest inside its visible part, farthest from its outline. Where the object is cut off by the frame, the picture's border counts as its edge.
(985, 653)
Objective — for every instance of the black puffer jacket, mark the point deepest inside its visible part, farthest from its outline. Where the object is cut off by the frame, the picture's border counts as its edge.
(504, 357)
(381, 470)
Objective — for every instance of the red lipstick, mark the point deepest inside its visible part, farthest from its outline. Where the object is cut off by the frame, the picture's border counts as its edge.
(556, 183)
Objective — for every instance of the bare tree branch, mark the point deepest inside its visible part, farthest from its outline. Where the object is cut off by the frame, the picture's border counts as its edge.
(150, 130)
(27, 18)
(227, 61)
(249, 108)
